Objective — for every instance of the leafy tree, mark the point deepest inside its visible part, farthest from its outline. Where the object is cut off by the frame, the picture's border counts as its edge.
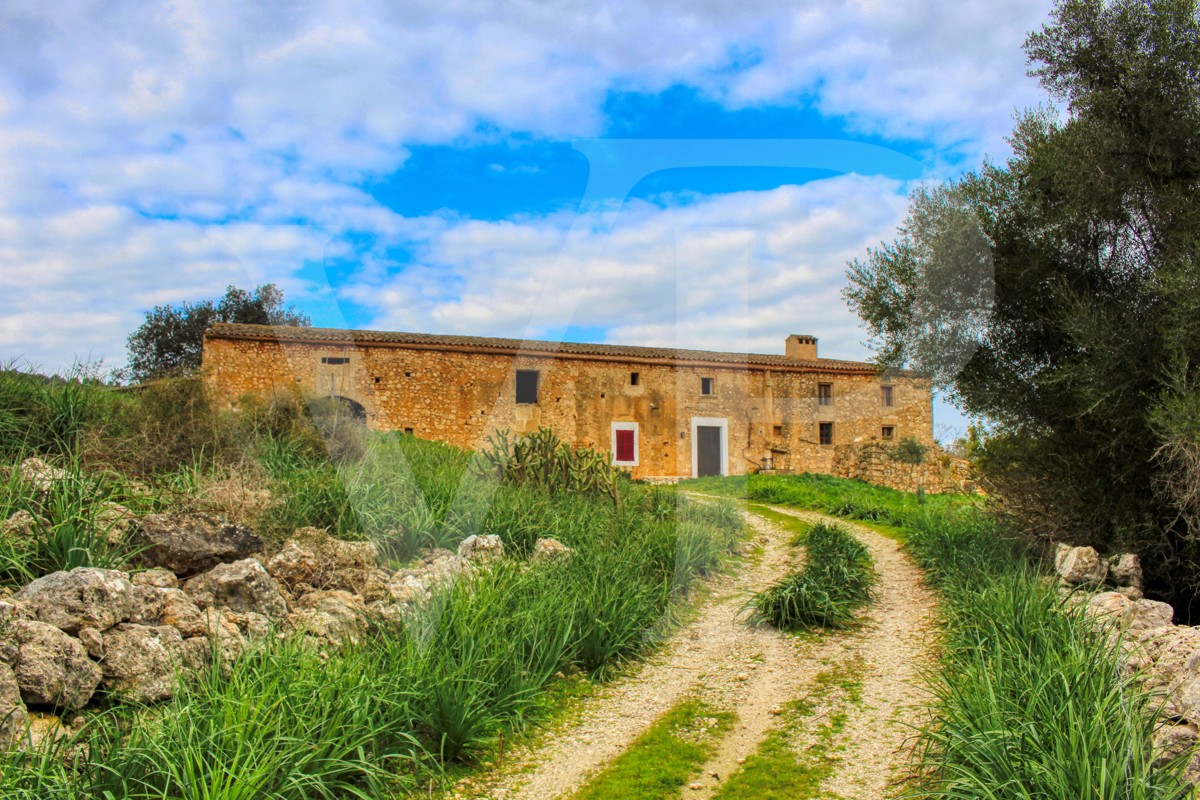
(169, 342)
(1081, 339)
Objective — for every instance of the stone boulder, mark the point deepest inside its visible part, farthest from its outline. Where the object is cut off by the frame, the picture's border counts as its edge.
(1081, 565)
(85, 597)
(157, 578)
(1150, 614)
(51, 668)
(1109, 608)
(21, 526)
(294, 565)
(181, 613)
(188, 544)
(481, 549)
(1125, 569)
(550, 550)
(333, 617)
(142, 663)
(13, 716)
(115, 521)
(40, 475)
(242, 587)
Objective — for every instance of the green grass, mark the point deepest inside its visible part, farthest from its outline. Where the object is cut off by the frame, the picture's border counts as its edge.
(664, 759)
(781, 770)
(835, 582)
(840, 497)
(794, 525)
(1030, 701)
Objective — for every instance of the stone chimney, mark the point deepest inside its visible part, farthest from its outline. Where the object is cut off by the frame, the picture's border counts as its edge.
(800, 346)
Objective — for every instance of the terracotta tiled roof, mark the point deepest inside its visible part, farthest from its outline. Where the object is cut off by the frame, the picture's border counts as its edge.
(339, 336)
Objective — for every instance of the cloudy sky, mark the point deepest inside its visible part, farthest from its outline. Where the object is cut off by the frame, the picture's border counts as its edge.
(693, 173)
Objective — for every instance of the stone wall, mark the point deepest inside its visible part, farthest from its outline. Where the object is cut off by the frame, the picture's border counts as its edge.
(1164, 657)
(771, 414)
(875, 462)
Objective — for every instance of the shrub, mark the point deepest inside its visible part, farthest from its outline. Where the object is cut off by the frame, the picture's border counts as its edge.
(834, 583)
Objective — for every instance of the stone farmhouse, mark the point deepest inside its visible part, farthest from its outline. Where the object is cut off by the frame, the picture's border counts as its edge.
(661, 412)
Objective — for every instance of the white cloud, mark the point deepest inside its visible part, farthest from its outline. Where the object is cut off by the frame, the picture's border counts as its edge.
(133, 135)
(728, 272)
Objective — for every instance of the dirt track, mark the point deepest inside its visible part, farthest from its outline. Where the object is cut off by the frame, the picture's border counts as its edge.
(753, 670)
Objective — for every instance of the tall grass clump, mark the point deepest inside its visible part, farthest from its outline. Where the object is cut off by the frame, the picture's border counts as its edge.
(835, 582)
(1031, 697)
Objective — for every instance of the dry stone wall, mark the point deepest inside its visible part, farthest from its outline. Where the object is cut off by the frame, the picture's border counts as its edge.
(1163, 656)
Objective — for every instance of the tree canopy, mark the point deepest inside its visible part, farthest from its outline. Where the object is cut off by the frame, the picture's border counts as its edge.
(170, 341)
(1057, 294)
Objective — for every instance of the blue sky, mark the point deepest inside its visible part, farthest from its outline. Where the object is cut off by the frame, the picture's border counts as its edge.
(680, 173)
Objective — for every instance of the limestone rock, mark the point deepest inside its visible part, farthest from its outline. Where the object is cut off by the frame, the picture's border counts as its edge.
(1132, 592)
(481, 549)
(21, 526)
(1082, 565)
(550, 549)
(190, 543)
(1149, 614)
(92, 641)
(251, 625)
(147, 606)
(115, 521)
(294, 564)
(1109, 607)
(181, 613)
(40, 475)
(13, 715)
(243, 586)
(1060, 554)
(52, 669)
(335, 617)
(1176, 656)
(158, 578)
(85, 597)
(142, 663)
(224, 638)
(407, 588)
(1125, 569)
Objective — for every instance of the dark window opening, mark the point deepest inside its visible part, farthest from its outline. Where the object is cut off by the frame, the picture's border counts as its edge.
(888, 432)
(778, 430)
(527, 386)
(825, 432)
(825, 394)
(377, 379)
(634, 379)
(407, 374)
(887, 395)
(706, 386)
(334, 360)
(408, 431)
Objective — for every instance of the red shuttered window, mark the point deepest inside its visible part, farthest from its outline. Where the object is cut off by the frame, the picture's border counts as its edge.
(625, 445)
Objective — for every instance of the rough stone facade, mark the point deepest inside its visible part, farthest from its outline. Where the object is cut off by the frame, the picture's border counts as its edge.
(460, 389)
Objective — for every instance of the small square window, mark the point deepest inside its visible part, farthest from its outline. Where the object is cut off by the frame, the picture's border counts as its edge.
(825, 432)
(706, 386)
(408, 432)
(887, 395)
(634, 379)
(778, 430)
(887, 432)
(824, 394)
(527, 386)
